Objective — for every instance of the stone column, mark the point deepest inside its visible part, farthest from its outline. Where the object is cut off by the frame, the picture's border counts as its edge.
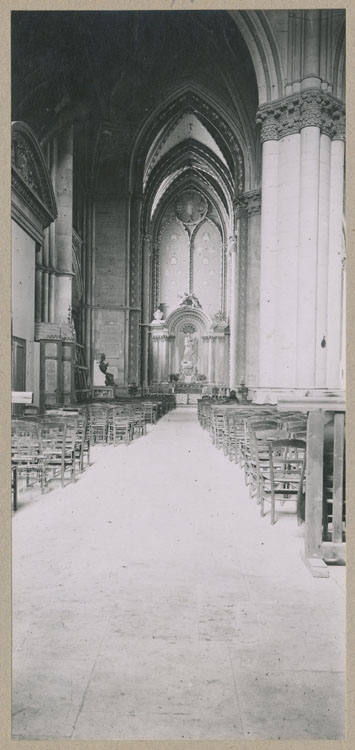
(135, 265)
(233, 364)
(302, 196)
(146, 308)
(52, 250)
(38, 295)
(88, 274)
(45, 286)
(268, 256)
(310, 124)
(322, 261)
(45, 280)
(228, 262)
(334, 322)
(52, 296)
(253, 292)
(210, 359)
(241, 218)
(286, 269)
(311, 49)
(64, 223)
(342, 382)
(308, 241)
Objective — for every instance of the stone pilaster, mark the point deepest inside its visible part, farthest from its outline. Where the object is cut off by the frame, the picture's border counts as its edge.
(268, 260)
(335, 271)
(322, 261)
(253, 295)
(243, 204)
(135, 300)
(307, 257)
(233, 323)
(246, 206)
(146, 307)
(64, 223)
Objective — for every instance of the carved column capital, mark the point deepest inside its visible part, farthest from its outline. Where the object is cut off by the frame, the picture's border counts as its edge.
(269, 125)
(339, 124)
(312, 108)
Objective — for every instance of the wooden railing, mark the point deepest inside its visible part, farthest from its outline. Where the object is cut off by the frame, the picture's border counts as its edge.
(325, 495)
(325, 519)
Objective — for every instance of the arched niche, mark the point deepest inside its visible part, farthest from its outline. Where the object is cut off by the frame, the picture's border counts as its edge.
(187, 319)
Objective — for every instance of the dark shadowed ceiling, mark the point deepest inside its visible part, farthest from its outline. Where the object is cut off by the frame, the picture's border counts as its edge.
(117, 66)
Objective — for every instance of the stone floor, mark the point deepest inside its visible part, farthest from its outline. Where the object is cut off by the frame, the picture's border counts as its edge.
(151, 601)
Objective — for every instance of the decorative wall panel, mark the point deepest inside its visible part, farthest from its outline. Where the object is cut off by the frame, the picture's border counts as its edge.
(207, 266)
(174, 262)
(50, 381)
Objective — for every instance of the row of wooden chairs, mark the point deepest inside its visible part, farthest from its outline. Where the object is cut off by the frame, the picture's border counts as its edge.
(125, 420)
(57, 444)
(268, 445)
(48, 448)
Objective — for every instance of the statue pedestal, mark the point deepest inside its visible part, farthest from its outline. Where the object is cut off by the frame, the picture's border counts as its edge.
(98, 376)
(103, 392)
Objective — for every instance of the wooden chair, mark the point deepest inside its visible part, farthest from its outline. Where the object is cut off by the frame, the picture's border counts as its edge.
(119, 424)
(285, 478)
(26, 455)
(84, 435)
(231, 436)
(98, 423)
(139, 426)
(58, 448)
(217, 425)
(249, 446)
(259, 458)
(150, 412)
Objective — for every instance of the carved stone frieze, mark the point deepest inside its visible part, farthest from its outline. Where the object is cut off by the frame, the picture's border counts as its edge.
(311, 108)
(30, 180)
(22, 159)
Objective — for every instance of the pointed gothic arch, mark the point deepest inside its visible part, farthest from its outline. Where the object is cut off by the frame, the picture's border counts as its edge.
(215, 116)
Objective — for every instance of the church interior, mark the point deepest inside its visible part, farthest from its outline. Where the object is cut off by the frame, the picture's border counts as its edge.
(178, 374)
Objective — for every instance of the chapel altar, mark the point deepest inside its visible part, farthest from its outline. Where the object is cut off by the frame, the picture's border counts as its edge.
(189, 348)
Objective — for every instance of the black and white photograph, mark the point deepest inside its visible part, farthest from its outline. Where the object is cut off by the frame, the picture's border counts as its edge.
(178, 373)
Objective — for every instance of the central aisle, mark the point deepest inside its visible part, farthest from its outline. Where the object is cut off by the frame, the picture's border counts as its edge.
(151, 601)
